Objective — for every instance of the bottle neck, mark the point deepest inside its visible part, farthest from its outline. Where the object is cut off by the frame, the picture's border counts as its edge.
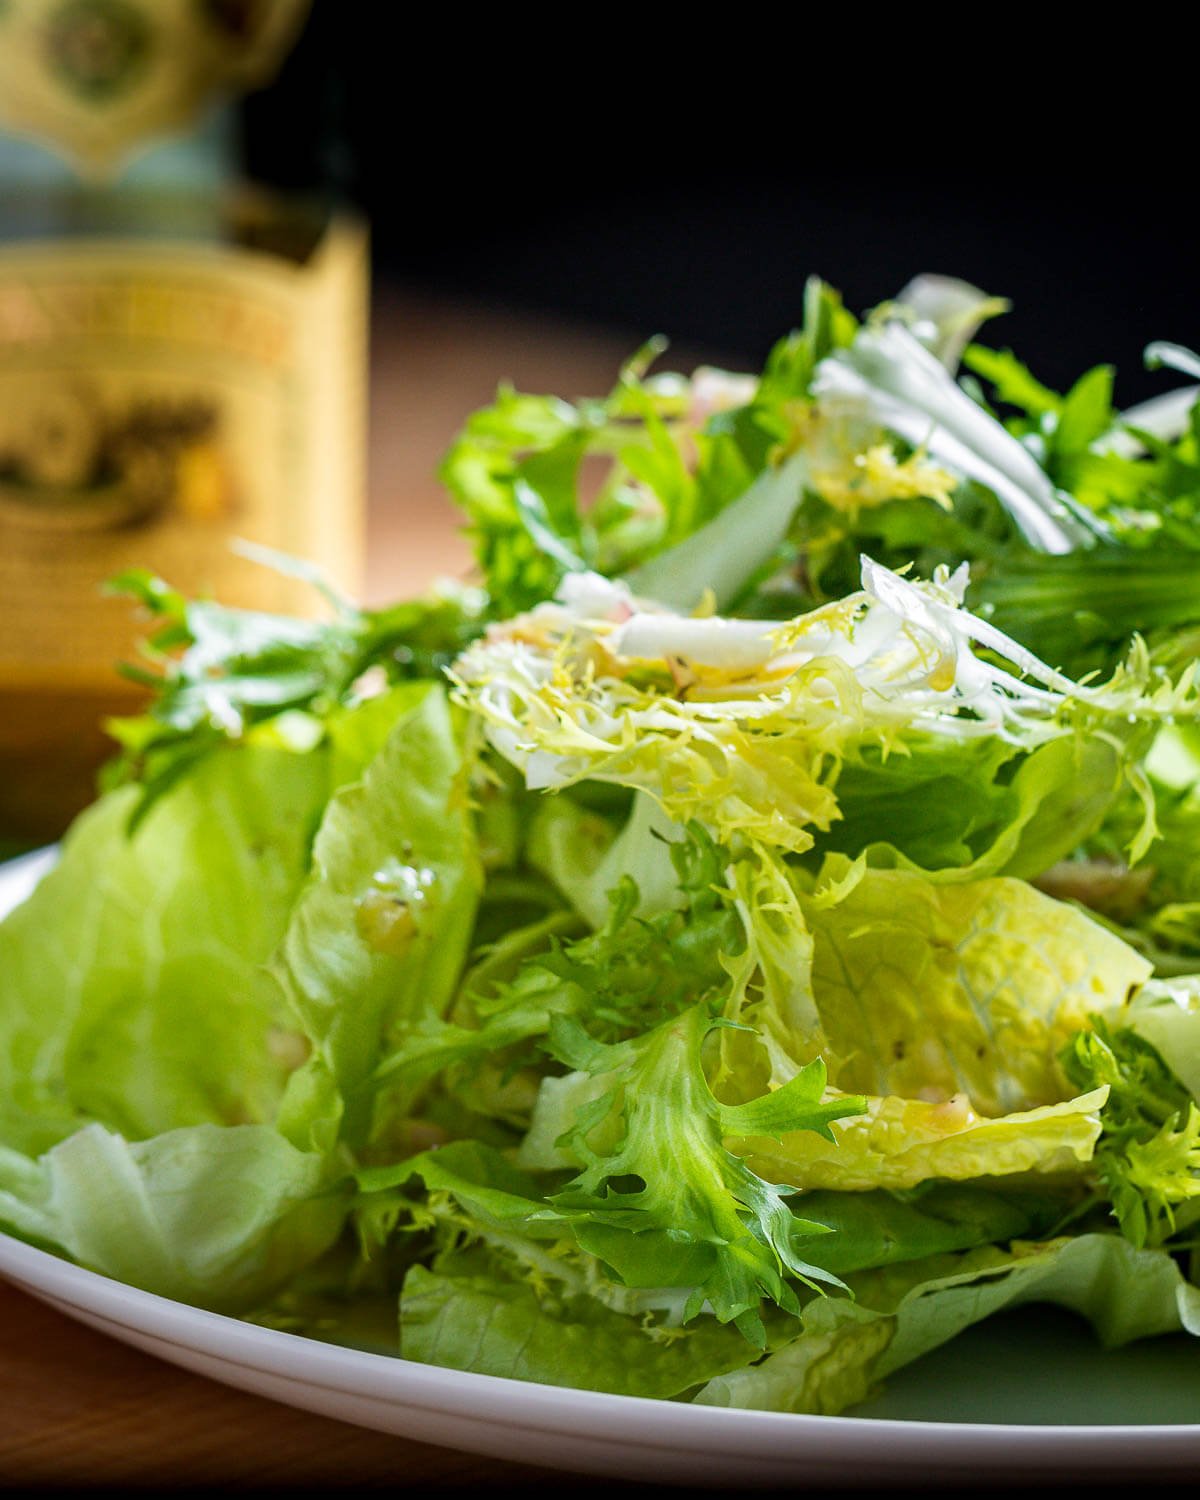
(192, 187)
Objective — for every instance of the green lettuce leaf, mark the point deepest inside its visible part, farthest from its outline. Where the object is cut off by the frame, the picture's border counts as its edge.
(900, 1143)
(1166, 1013)
(218, 673)
(470, 1316)
(1148, 1157)
(725, 555)
(144, 1049)
(902, 1313)
(132, 983)
(219, 1217)
(380, 931)
(867, 1230)
(944, 1005)
(578, 850)
(934, 990)
(976, 808)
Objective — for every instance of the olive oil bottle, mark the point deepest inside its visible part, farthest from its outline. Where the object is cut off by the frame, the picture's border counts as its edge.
(182, 360)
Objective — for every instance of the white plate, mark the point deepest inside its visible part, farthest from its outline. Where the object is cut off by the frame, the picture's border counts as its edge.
(1027, 1394)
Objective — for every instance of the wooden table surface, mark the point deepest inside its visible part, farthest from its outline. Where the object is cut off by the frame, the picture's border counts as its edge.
(77, 1408)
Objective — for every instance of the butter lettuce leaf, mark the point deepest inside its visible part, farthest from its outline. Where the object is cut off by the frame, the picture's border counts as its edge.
(580, 852)
(132, 983)
(470, 1315)
(945, 1006)
(1166, 1013)
(901, 1313)
(900, 1143)
(144, 1050)
(217, 1216)
(380, 930)
(930, 990)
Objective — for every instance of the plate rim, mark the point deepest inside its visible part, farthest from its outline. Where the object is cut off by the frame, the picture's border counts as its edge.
(437, 1388)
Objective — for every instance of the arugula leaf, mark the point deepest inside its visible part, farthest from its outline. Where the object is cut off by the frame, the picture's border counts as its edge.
(1012, 382)
(219, 672)
(676, 458)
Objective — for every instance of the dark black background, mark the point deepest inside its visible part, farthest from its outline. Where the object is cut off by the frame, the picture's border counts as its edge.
(682, 173)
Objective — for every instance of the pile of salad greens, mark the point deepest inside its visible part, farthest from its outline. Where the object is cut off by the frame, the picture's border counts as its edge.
(748, 936)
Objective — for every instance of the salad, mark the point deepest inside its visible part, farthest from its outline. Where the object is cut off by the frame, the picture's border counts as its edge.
(748, 935)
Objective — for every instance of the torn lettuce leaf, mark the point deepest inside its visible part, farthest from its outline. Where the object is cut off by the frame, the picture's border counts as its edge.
(901, 1313)
(587, 859)
(1166, 1013)
(132, 983)
(900, 1143)
(379, 934)
(469, 1314)
(724, 555)
(935, 990)
(161, 1123)
(217, 1216)
(945, 1005)
(978, 808)
(877, 1228)
(144, 1049)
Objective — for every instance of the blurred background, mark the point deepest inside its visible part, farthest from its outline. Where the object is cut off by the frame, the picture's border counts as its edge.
(686, 181)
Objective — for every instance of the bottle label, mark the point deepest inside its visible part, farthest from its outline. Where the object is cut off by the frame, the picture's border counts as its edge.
(158, 401)
(95, 78)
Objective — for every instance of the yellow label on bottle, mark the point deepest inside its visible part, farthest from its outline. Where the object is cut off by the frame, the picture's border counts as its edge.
(156, 402)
